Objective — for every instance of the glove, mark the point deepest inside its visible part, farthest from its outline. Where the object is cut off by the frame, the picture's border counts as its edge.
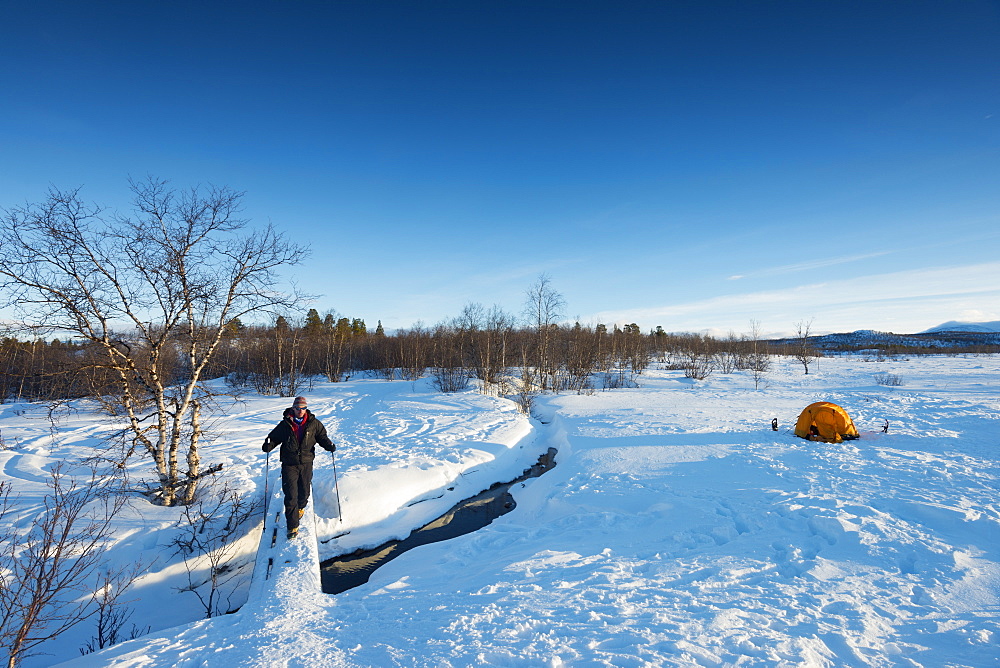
(265, 448)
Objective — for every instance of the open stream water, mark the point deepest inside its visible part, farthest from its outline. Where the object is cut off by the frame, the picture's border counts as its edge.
(351, 570)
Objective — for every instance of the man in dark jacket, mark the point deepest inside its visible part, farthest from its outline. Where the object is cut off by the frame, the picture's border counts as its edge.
(298, 433)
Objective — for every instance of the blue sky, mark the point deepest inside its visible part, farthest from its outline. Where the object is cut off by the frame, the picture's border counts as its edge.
(693, 165)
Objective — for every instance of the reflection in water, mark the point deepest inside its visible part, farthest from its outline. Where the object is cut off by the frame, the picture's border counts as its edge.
(351, 570)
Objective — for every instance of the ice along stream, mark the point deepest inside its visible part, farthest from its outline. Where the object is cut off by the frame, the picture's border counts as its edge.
(347, 571)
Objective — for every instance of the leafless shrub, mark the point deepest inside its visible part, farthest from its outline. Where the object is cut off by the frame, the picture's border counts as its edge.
(888, 379)
(698, 366)
(727, 358)
(617, 379)
(697, 357)
(112, 614)
(46, 581)
(211, 528)
(450, 379)
(449, 369)
(725, 361)
(528, 388)
(757, 360)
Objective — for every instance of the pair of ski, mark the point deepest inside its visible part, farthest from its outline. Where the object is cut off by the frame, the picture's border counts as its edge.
(277, 514)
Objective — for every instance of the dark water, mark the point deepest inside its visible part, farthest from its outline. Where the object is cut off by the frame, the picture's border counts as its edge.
(351, 570)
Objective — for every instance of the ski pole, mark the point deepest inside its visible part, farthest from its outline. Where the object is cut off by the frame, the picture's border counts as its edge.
(267, 479)
(336, 487)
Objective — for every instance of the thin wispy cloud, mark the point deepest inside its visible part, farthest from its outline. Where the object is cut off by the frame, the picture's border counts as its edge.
(806, 266)
(916, 298)
(527, 273)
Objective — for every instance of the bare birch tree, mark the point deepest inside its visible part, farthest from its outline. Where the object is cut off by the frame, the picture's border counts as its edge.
(758, 359)
(146, 291)
(805, 353)
(543, 306)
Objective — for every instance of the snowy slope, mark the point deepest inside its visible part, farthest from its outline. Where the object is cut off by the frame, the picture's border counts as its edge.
(956, 326)
(676, 530)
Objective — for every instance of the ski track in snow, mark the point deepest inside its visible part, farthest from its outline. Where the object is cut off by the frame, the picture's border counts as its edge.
(676, 529)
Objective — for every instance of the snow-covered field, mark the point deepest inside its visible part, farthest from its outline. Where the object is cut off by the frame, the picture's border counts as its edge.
(677, 528)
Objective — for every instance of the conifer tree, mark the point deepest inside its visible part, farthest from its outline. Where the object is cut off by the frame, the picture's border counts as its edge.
(343, 329)
(313, 323)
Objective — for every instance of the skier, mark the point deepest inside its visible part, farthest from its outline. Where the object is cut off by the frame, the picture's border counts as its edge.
(298, 433)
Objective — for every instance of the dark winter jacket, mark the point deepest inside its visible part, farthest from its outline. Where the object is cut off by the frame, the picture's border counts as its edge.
(293, 451)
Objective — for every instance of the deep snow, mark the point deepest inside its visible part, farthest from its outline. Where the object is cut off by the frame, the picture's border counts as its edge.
(676, 530)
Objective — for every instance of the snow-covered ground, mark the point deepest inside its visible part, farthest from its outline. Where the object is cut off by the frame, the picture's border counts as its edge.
(677, 528)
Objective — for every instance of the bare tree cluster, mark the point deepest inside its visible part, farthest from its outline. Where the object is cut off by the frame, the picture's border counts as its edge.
(282, 358)
(248, 356)
(37, 370)
(699, 356)
(485, 344)
(488, 345)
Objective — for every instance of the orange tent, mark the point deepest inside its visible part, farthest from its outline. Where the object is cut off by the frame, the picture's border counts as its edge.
(823, 421)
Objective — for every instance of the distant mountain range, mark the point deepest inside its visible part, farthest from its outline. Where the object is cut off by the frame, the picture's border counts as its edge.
(971, 336)
(955, 326)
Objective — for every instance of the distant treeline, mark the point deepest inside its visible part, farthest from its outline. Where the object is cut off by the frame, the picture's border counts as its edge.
(489, 345)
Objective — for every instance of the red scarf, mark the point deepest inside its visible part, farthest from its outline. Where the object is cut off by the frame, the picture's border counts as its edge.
(299, 427)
